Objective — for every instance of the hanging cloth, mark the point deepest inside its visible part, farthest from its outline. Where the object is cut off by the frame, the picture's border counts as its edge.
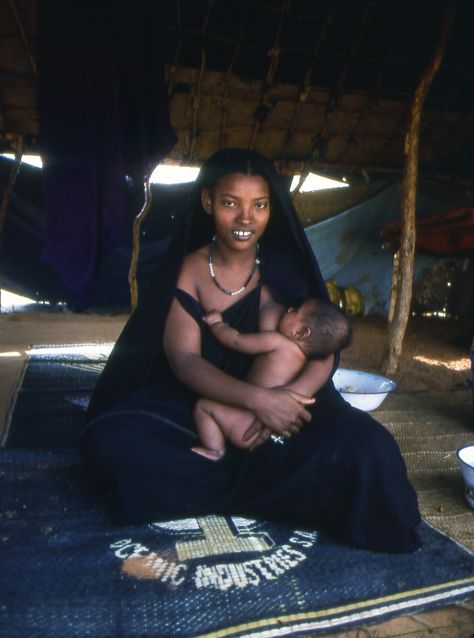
(103, 114)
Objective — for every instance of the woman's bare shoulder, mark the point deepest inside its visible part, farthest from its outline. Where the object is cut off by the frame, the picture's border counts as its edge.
(191, 270)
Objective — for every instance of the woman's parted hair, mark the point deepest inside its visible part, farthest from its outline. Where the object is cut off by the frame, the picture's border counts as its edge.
(233, 160)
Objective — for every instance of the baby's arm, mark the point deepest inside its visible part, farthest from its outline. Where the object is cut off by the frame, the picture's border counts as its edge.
(248, 343)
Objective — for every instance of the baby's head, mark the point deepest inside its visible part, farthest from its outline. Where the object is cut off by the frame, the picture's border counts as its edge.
(319, 327)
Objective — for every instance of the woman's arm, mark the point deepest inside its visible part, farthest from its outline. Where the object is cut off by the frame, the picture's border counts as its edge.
(313, 376)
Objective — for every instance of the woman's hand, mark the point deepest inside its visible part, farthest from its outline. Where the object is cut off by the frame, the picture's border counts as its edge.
(255, 435)
(281, 410)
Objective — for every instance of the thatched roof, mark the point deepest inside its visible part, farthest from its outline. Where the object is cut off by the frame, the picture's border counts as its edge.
(319, 83)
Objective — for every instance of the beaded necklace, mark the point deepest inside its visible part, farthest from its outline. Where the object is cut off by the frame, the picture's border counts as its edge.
(232, 293)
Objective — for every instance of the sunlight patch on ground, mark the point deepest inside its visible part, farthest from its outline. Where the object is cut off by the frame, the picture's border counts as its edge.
(458, 365)
(89, 350)
(9, 301)
(33, 160)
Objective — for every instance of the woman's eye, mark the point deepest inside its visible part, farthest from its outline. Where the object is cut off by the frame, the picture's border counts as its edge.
(228, 202)
(261, 205)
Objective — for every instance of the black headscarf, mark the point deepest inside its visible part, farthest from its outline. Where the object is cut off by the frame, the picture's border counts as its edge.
(288, 266)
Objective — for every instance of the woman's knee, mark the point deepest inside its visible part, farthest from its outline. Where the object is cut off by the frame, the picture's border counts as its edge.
(105, 443)
(352, 436)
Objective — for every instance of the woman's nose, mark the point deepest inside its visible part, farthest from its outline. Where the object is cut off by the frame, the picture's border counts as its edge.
(245, 214)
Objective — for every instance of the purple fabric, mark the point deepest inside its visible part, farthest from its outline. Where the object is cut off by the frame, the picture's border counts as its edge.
(103, 110)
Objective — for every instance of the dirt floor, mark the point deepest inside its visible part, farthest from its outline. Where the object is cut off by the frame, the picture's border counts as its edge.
(435, 355)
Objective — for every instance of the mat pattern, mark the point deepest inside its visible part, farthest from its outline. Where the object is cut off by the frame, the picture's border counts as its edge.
(67, 570)
(429, 428)
(55, 387)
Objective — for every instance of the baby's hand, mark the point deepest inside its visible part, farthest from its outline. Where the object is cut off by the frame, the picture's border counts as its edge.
(212, 317)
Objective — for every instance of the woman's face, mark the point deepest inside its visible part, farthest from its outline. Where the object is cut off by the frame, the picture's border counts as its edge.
(240, 206)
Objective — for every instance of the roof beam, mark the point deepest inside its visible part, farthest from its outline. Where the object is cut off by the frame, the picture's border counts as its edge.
(318, 147)
(24, 36)
(305, 87)
(196, 94)
(262, 109)
(225, 89)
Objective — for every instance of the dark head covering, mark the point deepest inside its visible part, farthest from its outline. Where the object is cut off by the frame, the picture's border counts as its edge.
(288, 268)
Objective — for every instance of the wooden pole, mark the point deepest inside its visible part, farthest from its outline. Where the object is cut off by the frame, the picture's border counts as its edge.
(393, 285)
(137, 224)
(6, 193)
(9, 185)
(24, 37)
(403, 291)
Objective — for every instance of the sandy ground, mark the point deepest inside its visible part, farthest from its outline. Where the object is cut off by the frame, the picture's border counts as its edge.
(436, 352)
(18, 332)
(435, 356)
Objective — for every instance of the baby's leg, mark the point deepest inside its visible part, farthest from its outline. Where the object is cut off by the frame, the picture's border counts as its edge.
(216, 422)
(209, 432)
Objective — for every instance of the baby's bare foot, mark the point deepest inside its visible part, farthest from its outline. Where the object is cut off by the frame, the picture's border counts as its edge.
(212, 455)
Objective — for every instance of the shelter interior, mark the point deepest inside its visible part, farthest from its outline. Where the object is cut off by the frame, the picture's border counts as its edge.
(326, 86)
(321, 86)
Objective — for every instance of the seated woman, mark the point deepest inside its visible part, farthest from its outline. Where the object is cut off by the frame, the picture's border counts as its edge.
(342, 471)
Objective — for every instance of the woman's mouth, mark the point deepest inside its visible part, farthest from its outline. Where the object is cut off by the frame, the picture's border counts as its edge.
(242, 235)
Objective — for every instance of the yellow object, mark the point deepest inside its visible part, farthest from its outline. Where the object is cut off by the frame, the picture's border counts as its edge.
(334, 292)
(352, 301)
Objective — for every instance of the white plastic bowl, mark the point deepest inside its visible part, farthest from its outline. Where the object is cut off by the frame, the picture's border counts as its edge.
(363, 390)
(465, 455)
